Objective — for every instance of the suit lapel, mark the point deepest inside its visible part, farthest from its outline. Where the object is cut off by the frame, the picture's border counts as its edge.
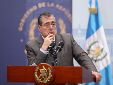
(58, 38)
(40, 41)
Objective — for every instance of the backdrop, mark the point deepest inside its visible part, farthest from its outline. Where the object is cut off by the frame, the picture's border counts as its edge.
(16, 21)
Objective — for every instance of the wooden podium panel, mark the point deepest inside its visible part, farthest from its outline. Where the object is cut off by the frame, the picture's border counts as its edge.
(20, 73)
(61, 74)
(68, 74)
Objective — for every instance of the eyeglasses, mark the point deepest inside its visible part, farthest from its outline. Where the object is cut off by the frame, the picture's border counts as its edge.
(48, 24)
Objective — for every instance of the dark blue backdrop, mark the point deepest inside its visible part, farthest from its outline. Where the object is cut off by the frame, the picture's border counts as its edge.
(13, 36)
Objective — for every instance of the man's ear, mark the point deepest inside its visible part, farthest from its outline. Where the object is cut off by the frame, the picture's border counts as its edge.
(39, 27)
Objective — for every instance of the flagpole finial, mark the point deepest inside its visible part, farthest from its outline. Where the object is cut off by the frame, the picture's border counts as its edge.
(92, 6)
(93, 10)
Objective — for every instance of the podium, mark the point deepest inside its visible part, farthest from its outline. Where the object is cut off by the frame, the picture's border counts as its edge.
(45, 74)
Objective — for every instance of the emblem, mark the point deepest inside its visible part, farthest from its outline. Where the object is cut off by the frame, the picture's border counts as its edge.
(43, 74)
(96, 51)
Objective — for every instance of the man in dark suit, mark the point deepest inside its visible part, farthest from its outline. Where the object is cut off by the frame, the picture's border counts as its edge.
(40, 50)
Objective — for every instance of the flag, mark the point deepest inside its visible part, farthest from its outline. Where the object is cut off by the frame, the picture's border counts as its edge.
(96, 45)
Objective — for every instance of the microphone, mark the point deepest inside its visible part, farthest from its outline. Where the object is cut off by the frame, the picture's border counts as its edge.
(51, 47)
(60, 46)
(53, 50)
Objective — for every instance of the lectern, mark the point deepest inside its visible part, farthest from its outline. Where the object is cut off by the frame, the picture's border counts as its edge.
(45, 74)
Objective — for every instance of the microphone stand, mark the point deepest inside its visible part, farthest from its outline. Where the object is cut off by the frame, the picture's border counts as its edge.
(54, 52)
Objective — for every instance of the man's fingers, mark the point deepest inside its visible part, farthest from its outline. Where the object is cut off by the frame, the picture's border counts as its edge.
(97, 76)
(50, 37)
(48, 40)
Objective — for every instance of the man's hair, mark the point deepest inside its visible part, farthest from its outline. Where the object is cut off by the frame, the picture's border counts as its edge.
(48, 14)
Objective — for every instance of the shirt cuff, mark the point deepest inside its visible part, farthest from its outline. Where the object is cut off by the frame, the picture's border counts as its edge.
(44, 51)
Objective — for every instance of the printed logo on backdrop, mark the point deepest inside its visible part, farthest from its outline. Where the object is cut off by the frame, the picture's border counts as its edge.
(96, 51)
(28, 23)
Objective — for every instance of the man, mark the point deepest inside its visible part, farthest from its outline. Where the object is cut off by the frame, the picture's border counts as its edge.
(39, 49)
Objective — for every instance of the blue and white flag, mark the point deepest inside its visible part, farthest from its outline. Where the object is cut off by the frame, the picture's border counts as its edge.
(96, 45)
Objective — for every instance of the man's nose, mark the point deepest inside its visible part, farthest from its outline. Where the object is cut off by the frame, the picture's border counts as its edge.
(51, 27)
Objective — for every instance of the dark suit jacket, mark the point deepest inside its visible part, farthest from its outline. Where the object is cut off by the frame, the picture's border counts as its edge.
(65, 58)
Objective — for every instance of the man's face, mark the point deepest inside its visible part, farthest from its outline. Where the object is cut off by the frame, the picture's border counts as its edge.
(48, 26)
